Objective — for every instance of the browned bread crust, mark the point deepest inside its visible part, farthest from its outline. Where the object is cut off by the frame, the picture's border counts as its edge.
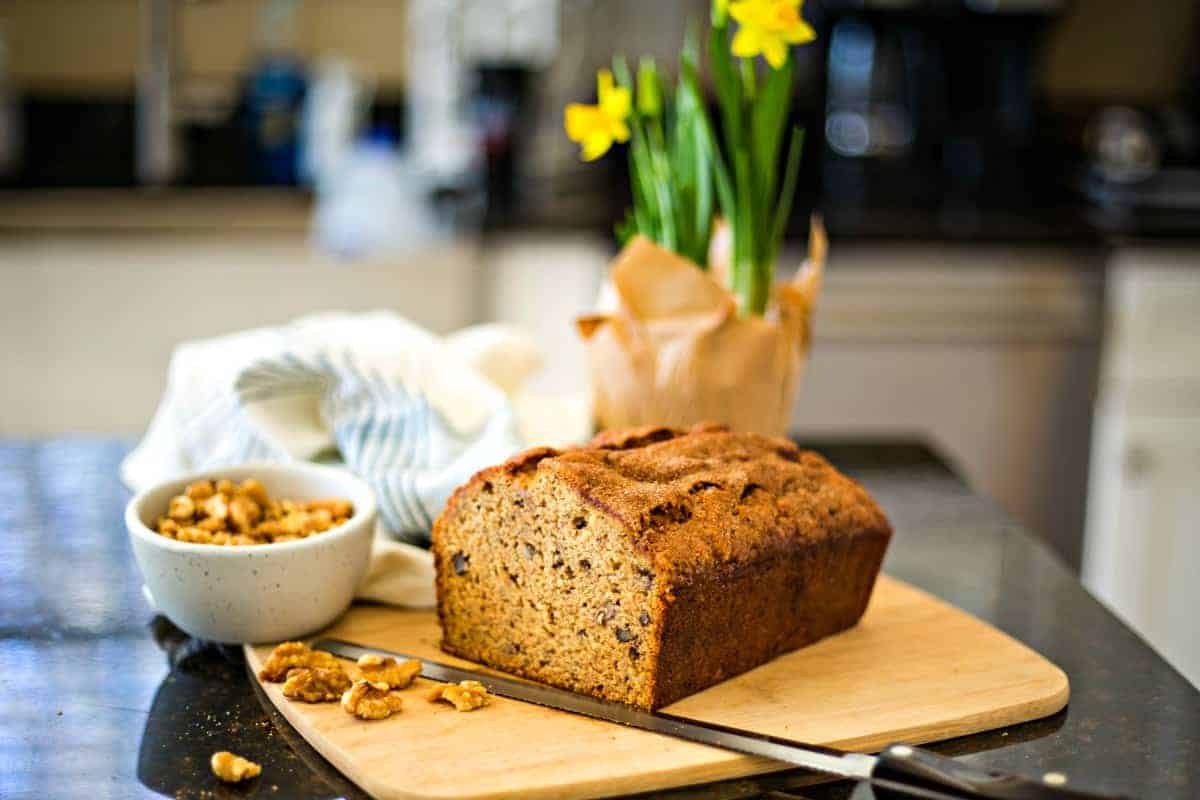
(707, 533)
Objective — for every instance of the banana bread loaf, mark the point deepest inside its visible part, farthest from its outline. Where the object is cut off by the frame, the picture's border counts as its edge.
(653, 562)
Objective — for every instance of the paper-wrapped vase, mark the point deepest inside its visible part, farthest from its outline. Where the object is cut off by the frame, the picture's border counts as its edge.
(675, 351)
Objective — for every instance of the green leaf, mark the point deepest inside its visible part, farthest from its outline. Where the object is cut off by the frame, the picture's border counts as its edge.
(768, 118)
(645, 199)
(749, 78)
(642, 218)
(783, 207)
(725, 194)
(689, 54)
(694, 161)
(719, 13)
(621, 73)
(702, 210)
(742, 264)
(662, 187)
(626, 229)
(692, 171)
(728, 86)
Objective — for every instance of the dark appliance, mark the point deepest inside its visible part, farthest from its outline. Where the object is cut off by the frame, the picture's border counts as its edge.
(930, 108)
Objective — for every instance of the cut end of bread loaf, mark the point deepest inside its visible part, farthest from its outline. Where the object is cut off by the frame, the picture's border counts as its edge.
(620, 569)
(535, 582)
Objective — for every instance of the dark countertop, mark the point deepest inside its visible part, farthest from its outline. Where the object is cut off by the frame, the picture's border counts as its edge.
(98, 698)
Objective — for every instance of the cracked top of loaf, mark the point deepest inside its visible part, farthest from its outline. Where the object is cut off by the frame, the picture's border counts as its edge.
(696, 500)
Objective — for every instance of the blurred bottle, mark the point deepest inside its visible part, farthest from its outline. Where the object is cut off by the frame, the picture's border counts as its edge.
(373, 202)
(334, 108)
(274, 95)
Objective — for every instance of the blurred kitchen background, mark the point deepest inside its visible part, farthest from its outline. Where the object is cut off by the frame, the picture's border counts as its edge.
(1012, 189)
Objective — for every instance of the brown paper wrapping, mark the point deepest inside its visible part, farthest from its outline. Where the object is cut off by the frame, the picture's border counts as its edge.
(675, 352)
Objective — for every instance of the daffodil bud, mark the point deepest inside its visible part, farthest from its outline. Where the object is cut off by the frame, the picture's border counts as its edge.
(649, 89)
(720, 13)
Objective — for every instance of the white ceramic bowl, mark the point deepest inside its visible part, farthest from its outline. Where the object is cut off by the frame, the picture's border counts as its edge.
(256, 593)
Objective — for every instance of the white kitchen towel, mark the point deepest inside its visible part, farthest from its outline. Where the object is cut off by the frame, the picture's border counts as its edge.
(413, 414)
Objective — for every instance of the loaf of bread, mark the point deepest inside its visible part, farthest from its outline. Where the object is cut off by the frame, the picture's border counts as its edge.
(653, 562)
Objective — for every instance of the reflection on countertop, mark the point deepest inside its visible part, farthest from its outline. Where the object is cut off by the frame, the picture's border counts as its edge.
(103, 699)
(203, 706)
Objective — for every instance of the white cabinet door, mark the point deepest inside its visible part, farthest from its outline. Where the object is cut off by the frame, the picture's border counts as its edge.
(1142, 548)
(989, 353)
(1142, 556)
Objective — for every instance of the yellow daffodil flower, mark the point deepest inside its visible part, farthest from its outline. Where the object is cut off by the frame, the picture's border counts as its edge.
(768, 27)
(595, 128)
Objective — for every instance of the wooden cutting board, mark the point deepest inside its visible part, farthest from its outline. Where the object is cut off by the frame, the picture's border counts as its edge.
(914, 669)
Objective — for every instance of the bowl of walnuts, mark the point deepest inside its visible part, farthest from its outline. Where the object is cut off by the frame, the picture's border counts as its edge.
(253, 553)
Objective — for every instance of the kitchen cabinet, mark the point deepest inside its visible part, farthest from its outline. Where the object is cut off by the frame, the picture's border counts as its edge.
(1142, 552)
(989, 352)
(91, 318)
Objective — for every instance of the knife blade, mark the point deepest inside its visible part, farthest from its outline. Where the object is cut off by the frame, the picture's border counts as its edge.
(899, 768)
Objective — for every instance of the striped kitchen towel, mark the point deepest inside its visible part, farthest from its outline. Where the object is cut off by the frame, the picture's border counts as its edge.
(413, 414)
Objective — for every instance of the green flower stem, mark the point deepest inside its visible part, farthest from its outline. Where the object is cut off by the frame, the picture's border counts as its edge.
(757, 294)
(749, 79)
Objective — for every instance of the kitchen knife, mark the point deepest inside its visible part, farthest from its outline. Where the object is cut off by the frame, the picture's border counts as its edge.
(899, 768)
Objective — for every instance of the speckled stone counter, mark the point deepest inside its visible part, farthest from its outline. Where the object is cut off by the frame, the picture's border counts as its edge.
(99, 698)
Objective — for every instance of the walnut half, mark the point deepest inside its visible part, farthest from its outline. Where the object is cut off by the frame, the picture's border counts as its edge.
(291, 655)
(466, 695)
(384, 669)
(315, 684)
(367, 700)
(232, 768)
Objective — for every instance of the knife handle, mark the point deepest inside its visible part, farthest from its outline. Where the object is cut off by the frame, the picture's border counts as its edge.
(914, 772)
